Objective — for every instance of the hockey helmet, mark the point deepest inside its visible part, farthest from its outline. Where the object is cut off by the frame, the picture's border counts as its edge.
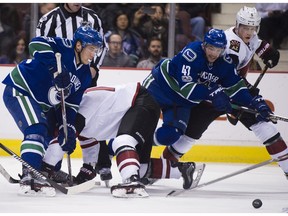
(216, 38)
(88, 36)
(248, 16)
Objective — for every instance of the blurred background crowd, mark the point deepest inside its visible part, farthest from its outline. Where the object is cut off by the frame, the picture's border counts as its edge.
(136, 32)
(139, 31)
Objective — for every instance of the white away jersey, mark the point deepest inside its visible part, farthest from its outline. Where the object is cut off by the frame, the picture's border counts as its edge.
(236, 46)
(104, 107)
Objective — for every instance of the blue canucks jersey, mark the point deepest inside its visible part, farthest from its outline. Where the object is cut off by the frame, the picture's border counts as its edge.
(34, 77)
(187, 77)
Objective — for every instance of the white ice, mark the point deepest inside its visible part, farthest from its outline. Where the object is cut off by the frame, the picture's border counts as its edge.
(233, 195)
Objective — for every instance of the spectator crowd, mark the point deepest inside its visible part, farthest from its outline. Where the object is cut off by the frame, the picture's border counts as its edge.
(130, 28)
(135, 25)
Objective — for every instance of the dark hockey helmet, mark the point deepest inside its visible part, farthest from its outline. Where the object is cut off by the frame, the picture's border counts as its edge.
(215, 37)
(88, 36)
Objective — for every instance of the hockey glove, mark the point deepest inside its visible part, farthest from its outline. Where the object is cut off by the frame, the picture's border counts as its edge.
(259, 104)
(268, 54)
(62, 80)
(70, 144)
(220, 100)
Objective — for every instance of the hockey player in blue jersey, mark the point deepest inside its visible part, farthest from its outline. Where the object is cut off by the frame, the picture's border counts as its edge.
(241, 35)
(200, 72)
(31, 91)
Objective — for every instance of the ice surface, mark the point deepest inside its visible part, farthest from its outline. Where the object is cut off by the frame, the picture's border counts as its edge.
(233, 195)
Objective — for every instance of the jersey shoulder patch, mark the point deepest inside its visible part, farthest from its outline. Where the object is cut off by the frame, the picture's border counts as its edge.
(234, 45)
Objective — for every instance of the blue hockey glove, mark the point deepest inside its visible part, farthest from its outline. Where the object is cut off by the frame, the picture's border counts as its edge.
(62, 80)
(262, 108)
(220, 100)
(70, 144)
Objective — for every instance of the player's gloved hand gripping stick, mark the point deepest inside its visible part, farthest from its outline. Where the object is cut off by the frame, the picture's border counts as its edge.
(234, 119)
(63, 110)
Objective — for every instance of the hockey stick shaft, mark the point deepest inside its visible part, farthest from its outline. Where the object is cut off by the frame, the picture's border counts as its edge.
(64, 117)
(234, 120)
(176, 193)
(65, 190)
(36, 172)
(63, 108)
(243, 170)
(260, 76)
(12, 180)
(246, 109)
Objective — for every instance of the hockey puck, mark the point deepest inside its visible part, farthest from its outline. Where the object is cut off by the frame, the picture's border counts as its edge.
(257, 203)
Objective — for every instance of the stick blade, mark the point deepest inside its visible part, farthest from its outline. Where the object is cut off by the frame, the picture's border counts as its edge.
(7, 176)
(84, 187)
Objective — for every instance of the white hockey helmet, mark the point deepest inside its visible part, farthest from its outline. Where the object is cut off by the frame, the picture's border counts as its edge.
(248, 16)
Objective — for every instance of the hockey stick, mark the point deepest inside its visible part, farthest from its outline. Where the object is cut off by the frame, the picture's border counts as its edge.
(272, 117)
(234, 119)
(65, 190)
(260, 76)
(176, 193)
(12, 180)
(64, 118)
(7, 175)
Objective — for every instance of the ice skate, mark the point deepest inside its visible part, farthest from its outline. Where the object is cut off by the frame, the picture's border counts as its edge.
(133, 188)
(86, 173)
(63, 178)
(31, 185)
(191, 173)
(187, 170)
(60, 176)
(105, 175)
(148, 181)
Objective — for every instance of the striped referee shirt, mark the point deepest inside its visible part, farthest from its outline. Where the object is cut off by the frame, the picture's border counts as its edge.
(60, 23)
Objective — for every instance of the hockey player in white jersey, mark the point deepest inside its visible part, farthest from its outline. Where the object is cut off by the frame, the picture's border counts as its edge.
(243, 43)
(130, 115)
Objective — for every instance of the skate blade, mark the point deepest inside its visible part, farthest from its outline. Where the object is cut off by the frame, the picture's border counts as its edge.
(197, 175)
(137, 193)
(107, 183)
(25, 190)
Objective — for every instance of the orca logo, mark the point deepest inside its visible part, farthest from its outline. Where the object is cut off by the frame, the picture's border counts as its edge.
(54, 96)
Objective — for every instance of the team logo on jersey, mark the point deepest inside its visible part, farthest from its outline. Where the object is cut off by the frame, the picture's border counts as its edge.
(189, 55)
(54, 96)
(207, 78)
(234, 45)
